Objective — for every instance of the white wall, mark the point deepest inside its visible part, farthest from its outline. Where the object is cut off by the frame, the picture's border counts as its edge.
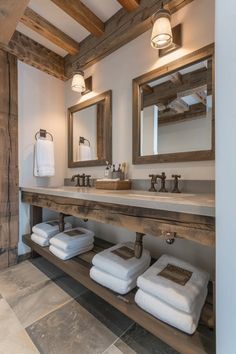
(40, 105)
(137, 57)
(116, 72)
(225, 173)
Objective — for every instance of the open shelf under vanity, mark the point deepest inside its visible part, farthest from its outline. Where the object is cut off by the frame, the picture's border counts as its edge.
(78, 268)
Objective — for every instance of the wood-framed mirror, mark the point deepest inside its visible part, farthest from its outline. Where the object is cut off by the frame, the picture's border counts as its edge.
(90, 132)
(173, 111)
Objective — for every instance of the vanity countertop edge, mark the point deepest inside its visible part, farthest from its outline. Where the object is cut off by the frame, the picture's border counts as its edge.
(198, 204)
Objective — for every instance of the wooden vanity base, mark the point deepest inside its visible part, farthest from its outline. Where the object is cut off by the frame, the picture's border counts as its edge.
(197, 228)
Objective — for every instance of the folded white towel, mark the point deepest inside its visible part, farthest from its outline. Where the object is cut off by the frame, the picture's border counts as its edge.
(109, 281)
(120, 261)
(184, 321)
(182, 297)
(49, 228)
(42, 241)
(84, 152)
(74, 238)
(44, 164)
(67, 255)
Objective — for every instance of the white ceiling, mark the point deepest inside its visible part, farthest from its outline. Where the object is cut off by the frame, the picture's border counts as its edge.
(104, 9)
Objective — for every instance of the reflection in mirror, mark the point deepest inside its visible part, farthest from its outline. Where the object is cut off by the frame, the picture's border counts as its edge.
(85, 134)
(90, 132)
(176, 111)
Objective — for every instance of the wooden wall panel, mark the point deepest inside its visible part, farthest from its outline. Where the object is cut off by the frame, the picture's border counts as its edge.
(9, 208)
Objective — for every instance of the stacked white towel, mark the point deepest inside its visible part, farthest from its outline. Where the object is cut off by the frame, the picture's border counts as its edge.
(117, 268)
(174, 291)
(71, 243)
(44, 231)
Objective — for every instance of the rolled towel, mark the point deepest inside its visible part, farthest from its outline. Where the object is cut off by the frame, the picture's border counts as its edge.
(74, 238)
(120, 261)
(42, 241)
(67, 255)
(184, 321)
(174, 281)
(49, 229)
(109, 281)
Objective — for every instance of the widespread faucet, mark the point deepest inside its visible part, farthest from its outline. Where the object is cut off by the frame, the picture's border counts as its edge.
(154, 178)
(163, 182)
(82, 180)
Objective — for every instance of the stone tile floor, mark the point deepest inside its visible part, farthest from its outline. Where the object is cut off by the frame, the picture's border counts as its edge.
(42, 310)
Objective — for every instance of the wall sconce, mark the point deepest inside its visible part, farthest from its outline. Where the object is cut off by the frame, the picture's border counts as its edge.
(164, 38)
(81, 85)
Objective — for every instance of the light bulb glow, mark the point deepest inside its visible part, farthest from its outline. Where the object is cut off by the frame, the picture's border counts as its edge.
(78, 83)
(162, 33)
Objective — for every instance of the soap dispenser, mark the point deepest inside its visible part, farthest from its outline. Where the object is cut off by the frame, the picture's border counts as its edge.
(107, 172)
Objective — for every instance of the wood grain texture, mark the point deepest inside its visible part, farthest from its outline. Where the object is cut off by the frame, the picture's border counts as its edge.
(82, 14)
(200, 229)
(40, 25)
(120, 29)
(8, 160)
(78, 268)
(10, 14)
(33, 53)
(129, 5)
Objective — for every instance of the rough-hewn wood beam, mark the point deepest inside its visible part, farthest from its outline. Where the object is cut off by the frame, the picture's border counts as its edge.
(167, 91)
(33, 53)
(197, 110)
(10, 14)
(119, 29)
(129, 5)
(40, 25)
(82, 14)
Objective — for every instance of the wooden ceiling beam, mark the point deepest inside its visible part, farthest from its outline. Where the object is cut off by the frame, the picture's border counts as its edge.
(82, 14)
(129, 5)
(120, 29)
(195, 111)
(10, 14)
(40, 25)
(33, 53)
(167, 91)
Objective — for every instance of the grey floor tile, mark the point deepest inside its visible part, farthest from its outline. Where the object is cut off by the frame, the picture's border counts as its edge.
(13, 337)
(140, 341)
(20, 277)
(37, 302)
(47, 268)
(123, 349)
(71, 286)
(105, 313)
(70, 330)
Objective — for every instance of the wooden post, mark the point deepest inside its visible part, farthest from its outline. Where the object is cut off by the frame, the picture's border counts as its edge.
(61, 222)
(9, 185)
(36, 217)
(138, 246)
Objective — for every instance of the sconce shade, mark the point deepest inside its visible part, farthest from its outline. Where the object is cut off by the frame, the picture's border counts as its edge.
(78, 83)
(162, 36)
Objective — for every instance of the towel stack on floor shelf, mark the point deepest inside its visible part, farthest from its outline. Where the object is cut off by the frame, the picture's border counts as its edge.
(44, 231)
(117, 268)
(174, 292)
(71, 243)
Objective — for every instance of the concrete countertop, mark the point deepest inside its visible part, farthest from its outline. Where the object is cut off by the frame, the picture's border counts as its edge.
(198, 204)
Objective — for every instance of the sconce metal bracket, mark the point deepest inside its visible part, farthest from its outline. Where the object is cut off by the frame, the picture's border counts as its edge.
(177, 41)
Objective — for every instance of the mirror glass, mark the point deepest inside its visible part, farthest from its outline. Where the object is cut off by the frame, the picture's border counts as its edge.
(85, 134)
(90, 132)
(176, 111)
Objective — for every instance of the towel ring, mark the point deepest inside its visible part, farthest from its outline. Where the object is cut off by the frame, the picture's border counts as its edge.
(82, 140)
(43, 134)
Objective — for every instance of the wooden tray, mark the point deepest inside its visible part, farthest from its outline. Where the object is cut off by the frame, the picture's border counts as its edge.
(115, 185)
